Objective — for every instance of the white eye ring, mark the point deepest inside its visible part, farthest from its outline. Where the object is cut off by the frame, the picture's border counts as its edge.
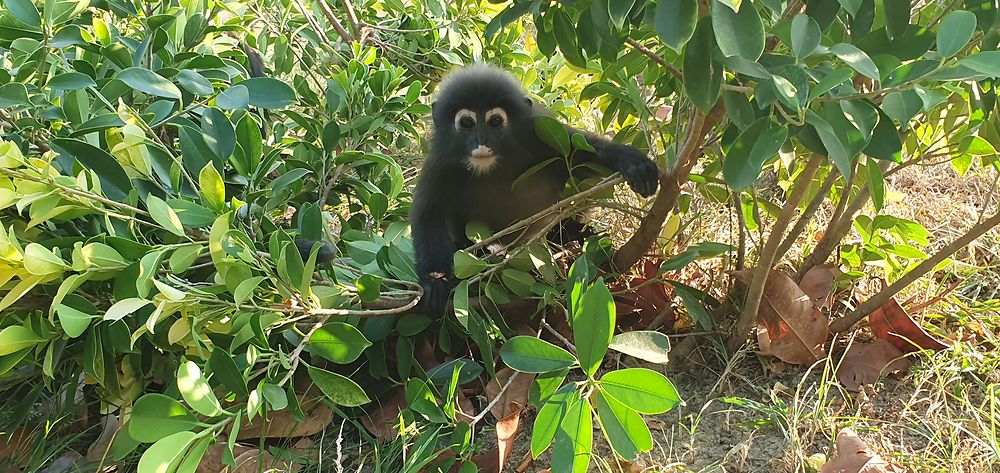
(496, 112)
(462, 114)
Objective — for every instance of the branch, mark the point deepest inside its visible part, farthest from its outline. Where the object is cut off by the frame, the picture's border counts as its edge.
(670, 189)
(917, 272)
(748, 317)
(807, 214)
(337, 25)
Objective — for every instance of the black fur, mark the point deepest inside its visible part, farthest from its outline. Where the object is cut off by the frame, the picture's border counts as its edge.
(449, 194)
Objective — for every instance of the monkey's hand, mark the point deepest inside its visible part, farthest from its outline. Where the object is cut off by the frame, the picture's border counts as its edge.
(638, 170)
(436, 290)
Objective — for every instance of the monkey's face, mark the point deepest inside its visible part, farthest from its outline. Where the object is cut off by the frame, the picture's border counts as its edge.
(482, 132)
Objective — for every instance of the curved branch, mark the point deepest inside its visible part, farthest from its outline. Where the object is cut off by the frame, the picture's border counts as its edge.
(670, 189)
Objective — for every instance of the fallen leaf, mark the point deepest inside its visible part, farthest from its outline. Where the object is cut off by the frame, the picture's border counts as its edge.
(794, 330)
(854, 456)
(514, 398)
(63, 464)
(281, 424)
(865, 362)
(506, 434)
(817, 283)
(15, 447)
(892, 324)
(100, 447)
(382, 421)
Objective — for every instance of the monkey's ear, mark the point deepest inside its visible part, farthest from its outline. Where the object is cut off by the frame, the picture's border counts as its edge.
(437, 113)
(528, 100)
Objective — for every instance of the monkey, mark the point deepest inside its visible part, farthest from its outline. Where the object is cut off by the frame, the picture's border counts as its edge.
(482, 139)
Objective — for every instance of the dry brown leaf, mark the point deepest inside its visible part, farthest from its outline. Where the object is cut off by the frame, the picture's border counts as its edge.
(102, 445)
(65, 463)
(381, 422)
(865, 362)
(506, 434)
(212, 461)
(17, 446)
(795, 330)
(854, 456)
(817, 283)
(514, 398)
(281, 424)
(893, 324)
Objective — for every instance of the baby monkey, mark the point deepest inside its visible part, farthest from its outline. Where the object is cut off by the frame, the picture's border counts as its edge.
(483, 139)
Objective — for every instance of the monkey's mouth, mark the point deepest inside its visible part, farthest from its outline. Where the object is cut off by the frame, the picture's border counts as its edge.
(482, 159)
(482, 153)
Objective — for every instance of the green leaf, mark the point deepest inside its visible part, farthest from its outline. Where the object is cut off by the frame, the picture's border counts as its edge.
(699, 61)
(675, 21)
(534, 355)
(565, 34)
(987, 62)
(805, 36)
(218, 132)
(41, 261)
(196, 391)
(338, 389)
(149, 82)
(754, 146)
(553, 133)
(897, 17)
(74, 322)
(265, 92)
(71, 81)
(224, 370)
(593, 325)
(550, 417)
(15, 338)
(164, 455)
(693, 300)
(647, 345)
(369, 287)
(275, 396)
(955, 32)
(236, 97)
(738, 109)
(519, 282)
(193, 458)
(13, 94)
(124, 307)
(857, 59)
(738, 33)
(149, 266)
(574, 439)
(618, 11)
(24, 11)
(834, 148)
(885, 142)
(338, 342)
(114, 181)
(213, 190)
(642, 390)
(194, 82)
(876, 183)
(467, 264)
(165, 216)
(624, 428)
(156, 416)
(902, 106)
(909, 72)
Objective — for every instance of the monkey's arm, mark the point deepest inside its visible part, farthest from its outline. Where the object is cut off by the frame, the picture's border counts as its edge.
(429, 222)
(638, 170)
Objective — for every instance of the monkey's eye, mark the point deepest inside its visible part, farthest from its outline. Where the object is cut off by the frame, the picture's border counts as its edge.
(496, 121)
(466, 122)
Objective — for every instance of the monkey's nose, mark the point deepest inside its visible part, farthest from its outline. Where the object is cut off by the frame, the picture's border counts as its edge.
(482, 152)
